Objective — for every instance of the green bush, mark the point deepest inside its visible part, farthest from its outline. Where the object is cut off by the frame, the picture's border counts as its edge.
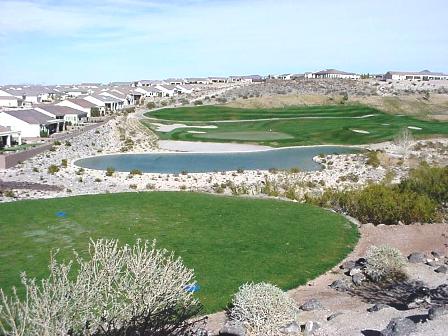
(53, 169)
(110, 171)
(430, 181)
(373, 159)
(64, 163)
(135, 172)
(380, 204)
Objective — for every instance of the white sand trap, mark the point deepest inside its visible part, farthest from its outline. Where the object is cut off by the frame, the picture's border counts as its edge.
(171, 127)
(414, 128)
(385, 124)
(360, 131)
(196, 132)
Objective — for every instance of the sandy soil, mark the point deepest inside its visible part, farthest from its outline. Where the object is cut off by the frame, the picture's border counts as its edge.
(193, 146)
(354, 317)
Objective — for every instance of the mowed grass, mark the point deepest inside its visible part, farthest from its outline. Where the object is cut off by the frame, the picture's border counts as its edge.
(228, 241)
(314, 125)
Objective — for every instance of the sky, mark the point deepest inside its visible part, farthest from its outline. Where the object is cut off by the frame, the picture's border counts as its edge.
(63, 42)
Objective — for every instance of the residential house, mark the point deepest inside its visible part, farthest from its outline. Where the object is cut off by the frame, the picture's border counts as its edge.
(109, 103)
(167, 90)
(30, 123)
(424, 75)
(69, 114)
(81, 105)
(174, 81)
(197, 81)
(8, 100)
(7, 137)
(285, 76)
(333, 73)
(149, 91)
(218, 79)
(184, 89)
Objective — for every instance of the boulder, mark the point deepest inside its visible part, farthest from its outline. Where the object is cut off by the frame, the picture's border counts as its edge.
(437, 311)
(377, 307)
(361, 262)
(310, 328)
(311, 304)
(417, 257)
(340, 285)
(358, 278)
(440, 292)
(432, 263)
(348, 265)
(201, 332)
(399, 327)
(355, 270)
(441, 269)
(233, 328)
(292, 328)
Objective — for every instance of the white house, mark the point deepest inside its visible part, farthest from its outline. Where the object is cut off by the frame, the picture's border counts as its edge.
(109, 103)
(246, 79)
(174, 81)
(285, 76)
(81, 105)
(8, 100)
(7, 136)
(332, 73)
(424, 75)
(218, 79)
(68, 114)
(167, 90)
(184, 89)
(197, 81)
(30, 123)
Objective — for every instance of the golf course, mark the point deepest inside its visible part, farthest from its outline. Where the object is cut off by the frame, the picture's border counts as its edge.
(226, 240)
(344, 124)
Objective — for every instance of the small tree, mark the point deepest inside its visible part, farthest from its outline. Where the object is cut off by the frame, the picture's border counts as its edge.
(95, 112)
(404, 142)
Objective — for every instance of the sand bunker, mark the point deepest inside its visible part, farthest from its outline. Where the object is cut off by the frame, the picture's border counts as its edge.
(360, 131)
(170, 127)
(414, 128)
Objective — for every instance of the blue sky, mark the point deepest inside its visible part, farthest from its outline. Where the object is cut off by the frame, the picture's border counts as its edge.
(119, 40)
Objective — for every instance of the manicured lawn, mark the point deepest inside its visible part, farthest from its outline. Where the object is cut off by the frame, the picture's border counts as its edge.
(332, 124)
(228, 241)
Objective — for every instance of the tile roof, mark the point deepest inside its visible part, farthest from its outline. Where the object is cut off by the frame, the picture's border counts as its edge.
(60, 111)
(82, 102)
(30, 116)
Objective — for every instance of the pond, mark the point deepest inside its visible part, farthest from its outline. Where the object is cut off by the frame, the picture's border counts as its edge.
(175, 163)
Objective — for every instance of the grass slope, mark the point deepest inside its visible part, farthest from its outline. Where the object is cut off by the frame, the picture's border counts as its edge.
(335, 127)
(226, 240)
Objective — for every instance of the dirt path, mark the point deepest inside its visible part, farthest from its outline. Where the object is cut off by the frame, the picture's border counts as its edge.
(410, 238)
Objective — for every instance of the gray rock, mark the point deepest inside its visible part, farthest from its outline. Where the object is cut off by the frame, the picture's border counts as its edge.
(292, 328)
(437, 311)
(333, 316)
(310, 328)
(358, 278)
(377, 307)
(417, 257)
(311, 304)
(201, 332)
(441, 269)
(340, 285)
(233, 328)
(399, 327)
(440, 292)
(348, 265)
(355, 270)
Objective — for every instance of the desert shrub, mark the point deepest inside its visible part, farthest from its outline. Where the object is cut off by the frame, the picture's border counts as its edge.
(198, 102)
(135, 172)
(110, 171)
(97, 180)
(95, 112)
(379, 204)
(56, 143)
(68, 143)
(385, 263)
(64, 163)
(262, 308)
(53, 169)
(429, 181)
(133, 186)
(151, 105)
(127, 290)
(373, 159)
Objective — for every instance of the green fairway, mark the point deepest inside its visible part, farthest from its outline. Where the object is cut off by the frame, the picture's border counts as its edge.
(313, 125)
(228, 241)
